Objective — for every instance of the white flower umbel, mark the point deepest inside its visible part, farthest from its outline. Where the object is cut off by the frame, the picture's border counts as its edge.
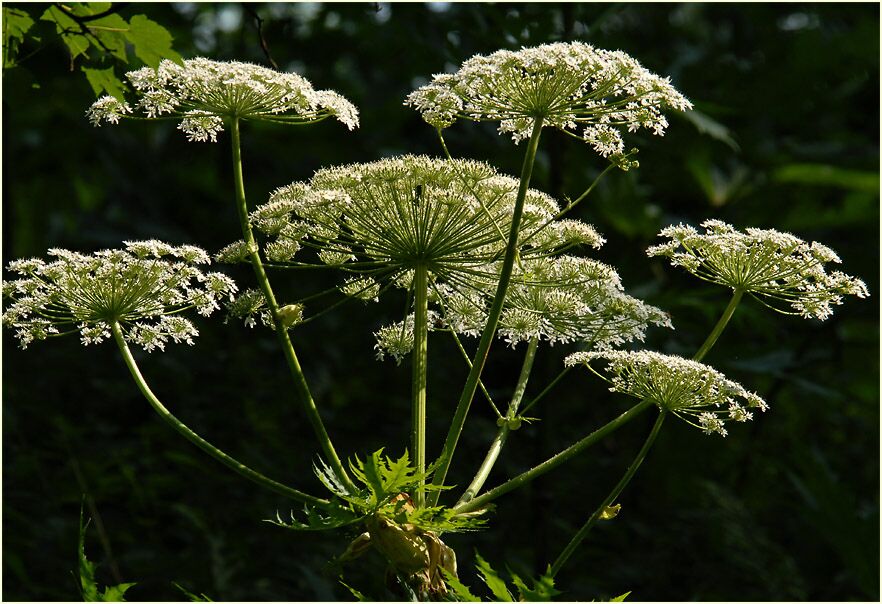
(589, 93)
(143, 288)
(693, 391)
(203, 93)
(384, 218)
(764, 262)
(560, 299)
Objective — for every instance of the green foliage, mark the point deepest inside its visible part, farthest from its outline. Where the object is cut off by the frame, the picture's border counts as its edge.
(88, 585)
(385, 480)
(541, 590)
(16, 24)
(96, 36)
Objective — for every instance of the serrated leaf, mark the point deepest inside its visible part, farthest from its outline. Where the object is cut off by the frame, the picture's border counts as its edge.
(90, 593)
(319, 519)
(114, 593)
(460, 591)
(492, 579)
(151, 41)
(542, 591)
(104, 81)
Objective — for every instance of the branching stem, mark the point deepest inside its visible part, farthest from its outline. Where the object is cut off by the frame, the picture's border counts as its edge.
(300, 384)
(504, 430)
(511, 249)
(197, 440)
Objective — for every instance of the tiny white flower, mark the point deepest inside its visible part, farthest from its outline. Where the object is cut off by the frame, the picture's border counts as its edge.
(692, 391)
(203, 93)
(766, 263)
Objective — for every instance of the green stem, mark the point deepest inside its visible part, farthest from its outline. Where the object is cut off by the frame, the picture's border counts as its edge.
(549, 464)
(197, 440)
(632, 469)
(720, 326)
(300, 384)
(502, 434)
(511, 249)
(418, 391)
(586, 528)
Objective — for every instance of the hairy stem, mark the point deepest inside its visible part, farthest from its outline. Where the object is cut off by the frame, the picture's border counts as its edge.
(502, 434)
(418, 391)
(300, 384)
(586, 528)
(511, 249)
(197, 440)
(549, 464)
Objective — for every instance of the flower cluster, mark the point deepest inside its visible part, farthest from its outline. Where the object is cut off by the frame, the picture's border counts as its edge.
(763, 262)
(590, 93)
(379, 220)
(560, 299)
(693, 391)
(143, 288)
(202, 93)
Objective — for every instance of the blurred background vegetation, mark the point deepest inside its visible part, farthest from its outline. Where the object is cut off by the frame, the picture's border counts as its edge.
(784, 135)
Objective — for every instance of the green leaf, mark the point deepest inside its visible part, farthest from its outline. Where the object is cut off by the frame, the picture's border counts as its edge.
(104, 81)
(460, 591)
(358, 595)
(542, 591)
(69, 30)
(151, 41)
(492, 579)
(191, 596)
(88, 585)
(112, 30)
(622, 597)
(320, 519)
(16, 24)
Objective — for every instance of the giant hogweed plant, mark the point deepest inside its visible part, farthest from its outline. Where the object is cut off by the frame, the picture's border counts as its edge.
(468, 251)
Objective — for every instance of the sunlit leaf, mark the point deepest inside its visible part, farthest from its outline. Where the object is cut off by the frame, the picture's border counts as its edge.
(151, 41)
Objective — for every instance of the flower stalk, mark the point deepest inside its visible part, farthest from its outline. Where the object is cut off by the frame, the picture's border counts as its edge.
(197, 440)
(511, 252)
(300, 384)
(420, 360)
(502, 434)
(632, 469)
(550, 464)
(737, 293)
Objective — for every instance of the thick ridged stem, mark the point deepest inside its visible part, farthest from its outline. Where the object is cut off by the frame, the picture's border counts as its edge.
(300, 385)
(549, 464)
(197, 440)
(418, 384)
(502, 434)
(586, 528)
(511, 250)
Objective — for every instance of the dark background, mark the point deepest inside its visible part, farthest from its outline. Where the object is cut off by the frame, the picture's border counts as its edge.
(784, 136)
